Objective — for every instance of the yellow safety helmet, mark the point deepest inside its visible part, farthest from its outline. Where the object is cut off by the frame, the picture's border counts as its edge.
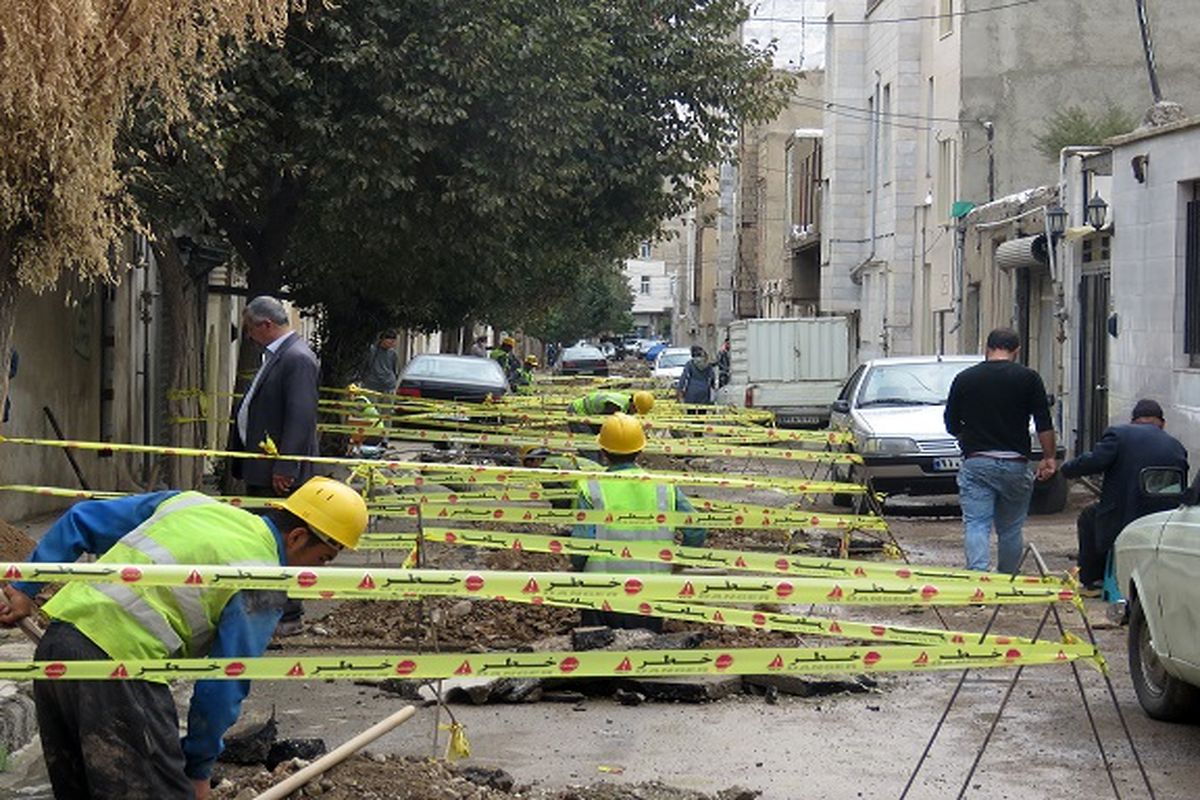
(533, 451)
(531, 361)
(509, 341)
(622, 434)
(643, 402)
(330, 508)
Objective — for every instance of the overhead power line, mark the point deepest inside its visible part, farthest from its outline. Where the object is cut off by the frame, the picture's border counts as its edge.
(872, 112)
(892, 20)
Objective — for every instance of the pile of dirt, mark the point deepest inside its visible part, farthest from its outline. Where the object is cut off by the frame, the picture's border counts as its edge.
(14, 544)
(379, 777)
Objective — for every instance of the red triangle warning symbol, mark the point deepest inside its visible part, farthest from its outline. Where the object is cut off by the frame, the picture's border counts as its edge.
(194, 578)
(835, 628)
(531, 587)
(859, 572)
(776, 663)
(119, 672)
(688, 590)
(687, 520)
(922, 660)
(836, 594)
(516, 545)
(741, 562)
(624, 666)
(1061, 656)
(718, 616)
(13, 572)
(463, 669)
(367, 582)
(625, 553)
(296, 671)
(443, 513)
(605, 606)
(528, 516)
(608, 518)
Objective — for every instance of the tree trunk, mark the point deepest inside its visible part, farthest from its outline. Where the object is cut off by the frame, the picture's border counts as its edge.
(9, 291)
(182, 353)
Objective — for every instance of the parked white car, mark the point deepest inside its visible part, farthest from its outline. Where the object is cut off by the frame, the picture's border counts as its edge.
(895, 408)
(1156, 562)
(671, 361)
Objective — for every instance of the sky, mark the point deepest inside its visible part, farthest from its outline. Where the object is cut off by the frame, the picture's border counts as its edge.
(801, 45)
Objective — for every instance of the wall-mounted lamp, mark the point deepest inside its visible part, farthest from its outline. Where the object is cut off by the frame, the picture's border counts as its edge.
(1097, 211)
(1056, 221)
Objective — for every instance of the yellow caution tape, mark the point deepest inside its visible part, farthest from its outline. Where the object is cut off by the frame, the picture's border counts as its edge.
(758, 519)
(559, 664)
(672, 447)
(458, 746)
(387, 583)
(736, 560)
(469, 473)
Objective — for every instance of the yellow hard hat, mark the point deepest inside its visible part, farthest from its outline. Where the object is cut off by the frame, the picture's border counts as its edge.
(533, 451)
(643, 402)
(508, 340)
(329, 507)
(622, 434)
(531, 361)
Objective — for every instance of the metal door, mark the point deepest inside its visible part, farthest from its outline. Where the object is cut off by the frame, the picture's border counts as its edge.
(1093, 359)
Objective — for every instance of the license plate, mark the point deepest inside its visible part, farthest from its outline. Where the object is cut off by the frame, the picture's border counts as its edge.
(946, 464)
(793, 419)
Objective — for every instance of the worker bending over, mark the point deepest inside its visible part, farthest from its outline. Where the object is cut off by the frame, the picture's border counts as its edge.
(622, 440)
(120, 738)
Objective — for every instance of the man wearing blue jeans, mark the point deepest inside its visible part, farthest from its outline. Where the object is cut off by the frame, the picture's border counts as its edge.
(988, 410)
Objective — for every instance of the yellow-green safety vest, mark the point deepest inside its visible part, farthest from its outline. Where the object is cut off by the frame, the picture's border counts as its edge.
(153, 622)
(630, 496)
(593, 404)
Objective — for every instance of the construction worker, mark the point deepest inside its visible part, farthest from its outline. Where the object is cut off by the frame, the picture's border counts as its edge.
(507, 359)
(525, 375)
(120, 738)
(622, 440)
(603, 403)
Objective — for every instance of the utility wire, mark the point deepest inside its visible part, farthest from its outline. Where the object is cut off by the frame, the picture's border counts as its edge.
(924, 117)
(891, 20)
(866, 118)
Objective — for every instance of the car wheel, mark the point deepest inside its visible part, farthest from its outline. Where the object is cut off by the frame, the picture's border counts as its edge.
(1163, 696)
(1049, 497)
(850, 501)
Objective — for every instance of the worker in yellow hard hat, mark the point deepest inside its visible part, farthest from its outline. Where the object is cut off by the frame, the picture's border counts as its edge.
(508, 361)
(120, 737)
(525, 375)
(538, 457)
(622, 440)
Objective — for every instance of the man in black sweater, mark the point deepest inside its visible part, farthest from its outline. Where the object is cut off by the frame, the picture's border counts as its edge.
(1121, 454)
(988, 410)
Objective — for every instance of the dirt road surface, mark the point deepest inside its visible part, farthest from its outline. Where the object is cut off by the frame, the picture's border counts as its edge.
(847, 746)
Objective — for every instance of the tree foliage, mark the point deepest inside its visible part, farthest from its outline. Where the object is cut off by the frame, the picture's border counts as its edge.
(1075, 125)
(432, 161)
(599, 301)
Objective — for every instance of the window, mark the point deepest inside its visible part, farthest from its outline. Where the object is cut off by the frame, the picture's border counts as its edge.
(930, 134)
(885, 136)
(645, 250)
(645, 284)
(947, 179)
(945, 17)
(1096, 249)
(1191, 267)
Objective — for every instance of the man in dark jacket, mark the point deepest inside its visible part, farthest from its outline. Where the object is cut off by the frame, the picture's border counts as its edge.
(1121, 454)
(988, 411)
(698, 380)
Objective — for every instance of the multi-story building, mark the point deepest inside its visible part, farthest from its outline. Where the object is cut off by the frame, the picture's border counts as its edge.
(653, 292)
(935, 108)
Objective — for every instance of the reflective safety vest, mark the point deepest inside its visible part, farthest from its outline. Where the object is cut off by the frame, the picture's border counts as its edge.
(128, 621)
(591, 405)
(571, 461)
(630, 496)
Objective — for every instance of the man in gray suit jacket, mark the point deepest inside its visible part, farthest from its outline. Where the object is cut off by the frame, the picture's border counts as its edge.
(280, 403)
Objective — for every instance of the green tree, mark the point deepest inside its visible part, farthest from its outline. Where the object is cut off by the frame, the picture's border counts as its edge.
(1075, 125)
(599, 301)
(426, 162)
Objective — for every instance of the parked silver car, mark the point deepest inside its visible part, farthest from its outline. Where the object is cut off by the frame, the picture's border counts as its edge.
(895, 408)
(1156, 561)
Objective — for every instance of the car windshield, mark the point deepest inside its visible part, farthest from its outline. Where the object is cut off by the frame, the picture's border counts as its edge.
(673, 359)
(455, 368)
(917, 384)
(582, 354)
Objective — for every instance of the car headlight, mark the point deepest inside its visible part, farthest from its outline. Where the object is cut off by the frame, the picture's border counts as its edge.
(889, 446)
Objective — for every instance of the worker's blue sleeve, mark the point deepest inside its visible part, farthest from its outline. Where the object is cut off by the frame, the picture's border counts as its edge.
(582, 532)
(244, 630)
(692, 537)
(92, 526)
